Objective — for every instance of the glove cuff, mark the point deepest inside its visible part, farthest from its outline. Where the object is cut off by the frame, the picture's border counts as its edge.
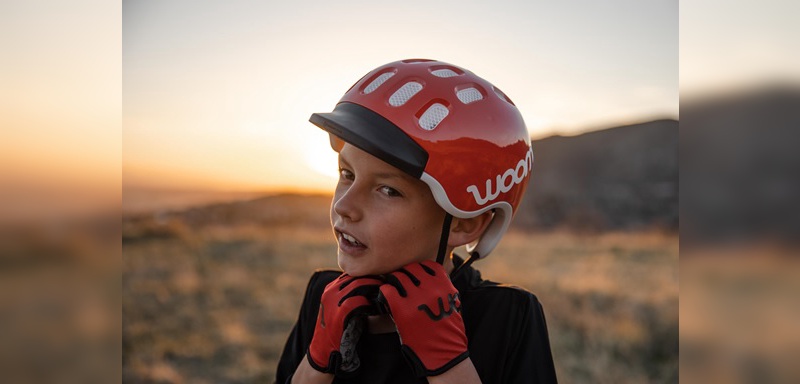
(419, 368)
(333, 362)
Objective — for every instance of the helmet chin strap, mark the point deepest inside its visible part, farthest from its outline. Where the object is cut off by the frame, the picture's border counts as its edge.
(448, 218)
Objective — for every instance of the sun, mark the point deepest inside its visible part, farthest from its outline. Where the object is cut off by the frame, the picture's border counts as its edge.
(320, 158)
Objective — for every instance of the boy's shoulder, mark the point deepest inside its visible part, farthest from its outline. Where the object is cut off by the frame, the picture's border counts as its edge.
(500, 296)
(496, 314)
(491, 290)
(472, 280)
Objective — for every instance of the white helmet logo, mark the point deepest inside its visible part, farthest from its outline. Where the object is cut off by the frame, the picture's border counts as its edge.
(515, 175)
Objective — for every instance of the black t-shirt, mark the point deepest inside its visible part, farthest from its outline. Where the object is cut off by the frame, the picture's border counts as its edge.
(505, 326)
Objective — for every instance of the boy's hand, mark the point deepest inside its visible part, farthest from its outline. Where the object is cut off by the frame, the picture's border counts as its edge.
(426, 309)
(340, 321)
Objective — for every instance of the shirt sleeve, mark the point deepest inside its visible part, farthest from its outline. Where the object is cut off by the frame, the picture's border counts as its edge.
(530, 359)
(302, 332)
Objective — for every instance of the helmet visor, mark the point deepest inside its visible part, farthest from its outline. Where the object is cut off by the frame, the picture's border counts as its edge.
(373, 134)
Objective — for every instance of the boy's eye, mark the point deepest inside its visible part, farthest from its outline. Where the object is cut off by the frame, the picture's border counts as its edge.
(389, 191)
(346, 174)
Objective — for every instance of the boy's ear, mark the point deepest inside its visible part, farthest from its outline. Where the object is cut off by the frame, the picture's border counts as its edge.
(465, 231)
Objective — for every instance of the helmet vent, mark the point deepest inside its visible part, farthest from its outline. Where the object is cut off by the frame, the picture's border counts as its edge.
(444, 72)
(406, 92)
(503, 95)
(433, 116)
(469, 95)
(377, 82)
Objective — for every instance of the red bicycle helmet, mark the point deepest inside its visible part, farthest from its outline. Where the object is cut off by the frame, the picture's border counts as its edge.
(446, 126)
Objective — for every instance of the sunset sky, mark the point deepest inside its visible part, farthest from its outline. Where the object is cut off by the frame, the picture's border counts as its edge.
(218, 94)
(730, 45)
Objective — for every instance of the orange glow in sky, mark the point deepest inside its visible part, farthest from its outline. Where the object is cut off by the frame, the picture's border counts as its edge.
(60, 110)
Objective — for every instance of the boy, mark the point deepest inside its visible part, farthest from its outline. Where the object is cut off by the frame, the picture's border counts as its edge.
(431, 157)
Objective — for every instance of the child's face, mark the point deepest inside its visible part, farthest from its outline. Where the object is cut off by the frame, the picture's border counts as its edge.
(392, 217)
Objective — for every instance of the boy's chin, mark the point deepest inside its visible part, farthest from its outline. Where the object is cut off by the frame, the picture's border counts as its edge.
(357, 269)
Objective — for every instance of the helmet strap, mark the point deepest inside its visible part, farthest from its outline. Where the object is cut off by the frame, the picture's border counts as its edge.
(461, 268)
(448, 218)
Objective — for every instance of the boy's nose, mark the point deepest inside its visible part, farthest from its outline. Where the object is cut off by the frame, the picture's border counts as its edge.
(346, 204)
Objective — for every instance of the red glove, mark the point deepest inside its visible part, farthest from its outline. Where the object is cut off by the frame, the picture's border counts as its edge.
(426, 309)
(342, 308)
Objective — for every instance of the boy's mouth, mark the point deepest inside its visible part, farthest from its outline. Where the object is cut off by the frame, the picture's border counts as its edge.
(349, 240)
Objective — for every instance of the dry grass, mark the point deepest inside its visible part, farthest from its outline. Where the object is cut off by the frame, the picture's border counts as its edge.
(208, 303)
(739, 318)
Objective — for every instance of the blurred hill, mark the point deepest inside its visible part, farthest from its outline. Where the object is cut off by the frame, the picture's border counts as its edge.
(618, 178)
(281, 210)
(739, 166)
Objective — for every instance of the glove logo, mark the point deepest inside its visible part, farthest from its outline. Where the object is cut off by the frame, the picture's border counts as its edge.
(454, 305)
